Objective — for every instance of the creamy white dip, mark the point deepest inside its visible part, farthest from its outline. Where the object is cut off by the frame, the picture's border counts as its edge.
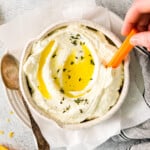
(67, 77)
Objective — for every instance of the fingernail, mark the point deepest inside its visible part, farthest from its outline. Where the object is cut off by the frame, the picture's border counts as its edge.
(134, 40)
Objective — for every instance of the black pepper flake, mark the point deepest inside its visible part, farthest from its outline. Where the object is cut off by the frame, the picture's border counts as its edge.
(62, 90)
(92, 62)
(71, 62)
(55, 78)
(76, 57)
(81, 111)
(64, 69)
(54, 56)
(69, 76)
(61, 102)
(63, 99)
(91, 79)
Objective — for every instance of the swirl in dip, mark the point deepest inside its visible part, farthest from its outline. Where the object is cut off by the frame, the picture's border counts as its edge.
(67, 77)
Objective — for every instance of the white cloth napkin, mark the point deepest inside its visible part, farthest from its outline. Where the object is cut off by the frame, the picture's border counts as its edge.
(15, 34)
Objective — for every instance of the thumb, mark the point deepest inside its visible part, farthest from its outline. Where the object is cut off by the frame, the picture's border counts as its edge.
(141, 39)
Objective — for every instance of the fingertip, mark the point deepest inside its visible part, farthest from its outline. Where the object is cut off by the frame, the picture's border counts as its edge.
(126, 28)
(125, 31)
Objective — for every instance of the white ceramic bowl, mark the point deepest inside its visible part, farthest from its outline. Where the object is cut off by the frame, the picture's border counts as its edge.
(25, 89)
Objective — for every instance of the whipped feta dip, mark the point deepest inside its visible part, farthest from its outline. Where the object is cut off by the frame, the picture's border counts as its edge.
(67, 75)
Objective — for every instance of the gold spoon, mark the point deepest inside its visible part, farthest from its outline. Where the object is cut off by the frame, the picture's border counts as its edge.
(10, 76)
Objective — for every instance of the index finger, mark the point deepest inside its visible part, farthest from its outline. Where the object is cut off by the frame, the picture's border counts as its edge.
(138, 8)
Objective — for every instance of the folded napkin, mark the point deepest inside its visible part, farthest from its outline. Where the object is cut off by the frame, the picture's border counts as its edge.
(15, 34)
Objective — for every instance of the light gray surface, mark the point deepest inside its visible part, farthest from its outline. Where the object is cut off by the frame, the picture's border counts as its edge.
(23, 138)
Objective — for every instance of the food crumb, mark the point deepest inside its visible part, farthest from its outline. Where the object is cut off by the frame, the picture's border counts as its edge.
(1, 132)
(11, 134)
(11, 112)
(3, 147)
(8, 120)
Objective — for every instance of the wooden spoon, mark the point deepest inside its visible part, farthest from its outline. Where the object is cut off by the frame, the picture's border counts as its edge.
(10, 76)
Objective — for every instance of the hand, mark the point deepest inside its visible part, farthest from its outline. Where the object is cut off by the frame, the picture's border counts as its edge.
(138, 16)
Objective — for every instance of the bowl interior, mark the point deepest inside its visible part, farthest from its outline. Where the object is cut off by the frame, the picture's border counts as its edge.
(24, 84)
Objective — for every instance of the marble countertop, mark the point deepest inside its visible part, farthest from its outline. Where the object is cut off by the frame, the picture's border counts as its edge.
(13, 132)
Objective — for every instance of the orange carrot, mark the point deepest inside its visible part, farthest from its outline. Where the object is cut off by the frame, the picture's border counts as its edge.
(121, 53)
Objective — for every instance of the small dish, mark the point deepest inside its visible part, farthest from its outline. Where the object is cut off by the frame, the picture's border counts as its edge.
(25, 89)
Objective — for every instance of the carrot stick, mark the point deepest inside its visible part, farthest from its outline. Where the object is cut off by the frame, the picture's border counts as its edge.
(121, 53)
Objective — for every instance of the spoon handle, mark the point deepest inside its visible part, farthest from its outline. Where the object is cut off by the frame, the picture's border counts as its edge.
(41, 141)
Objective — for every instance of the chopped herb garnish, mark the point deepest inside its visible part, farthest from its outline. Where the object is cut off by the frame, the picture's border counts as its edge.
(82, 57)
(86, 101)
(79, 79)
(71, 62)
(62, 90)
(92, 62)
(58, 70)
(82, 43)
(74, 42)
(74, 37)
(78, 35)
(64, 69)
(81, 111)
(54, 56)
(66, 109)
(78, 100)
